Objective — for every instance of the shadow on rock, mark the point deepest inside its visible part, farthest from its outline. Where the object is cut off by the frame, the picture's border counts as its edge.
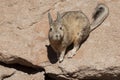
(52, 56)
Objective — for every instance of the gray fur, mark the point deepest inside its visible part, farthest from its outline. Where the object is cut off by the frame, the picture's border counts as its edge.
(73, 27)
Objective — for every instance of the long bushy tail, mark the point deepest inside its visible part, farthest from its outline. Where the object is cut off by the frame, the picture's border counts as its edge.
(100, 14)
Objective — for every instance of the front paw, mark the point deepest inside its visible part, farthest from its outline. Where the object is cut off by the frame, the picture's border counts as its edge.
(71, 54)
(60, 60)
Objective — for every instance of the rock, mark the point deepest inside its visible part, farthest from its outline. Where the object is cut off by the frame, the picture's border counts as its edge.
(20, 38)
(24, 40)
(7, 73)
(24, 76)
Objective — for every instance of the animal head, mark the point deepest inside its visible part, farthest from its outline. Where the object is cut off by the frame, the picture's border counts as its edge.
(56, 31)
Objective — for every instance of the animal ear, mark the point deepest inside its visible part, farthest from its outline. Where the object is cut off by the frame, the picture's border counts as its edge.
(50, 18)
(58, 17)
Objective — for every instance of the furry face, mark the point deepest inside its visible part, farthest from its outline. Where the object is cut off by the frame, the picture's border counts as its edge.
(56, 31)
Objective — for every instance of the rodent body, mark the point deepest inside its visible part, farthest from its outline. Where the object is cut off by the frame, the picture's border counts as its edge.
(73, 27)
(76, 25)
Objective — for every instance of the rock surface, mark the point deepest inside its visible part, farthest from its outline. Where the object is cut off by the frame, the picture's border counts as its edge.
(23, 40)
(13, 74)
(5, 72)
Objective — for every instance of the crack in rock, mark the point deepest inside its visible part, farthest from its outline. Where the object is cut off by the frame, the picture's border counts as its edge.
(11, 59)
(22, 68)
(7, 76)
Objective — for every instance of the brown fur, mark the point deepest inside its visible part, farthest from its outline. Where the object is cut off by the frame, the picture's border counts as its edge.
(73, 27)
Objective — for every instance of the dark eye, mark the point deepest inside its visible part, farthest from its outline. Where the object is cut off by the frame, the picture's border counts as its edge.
(61, 28)
(50, 29)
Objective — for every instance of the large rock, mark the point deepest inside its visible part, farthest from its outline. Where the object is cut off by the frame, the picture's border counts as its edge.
(24, 76)
(20, 39)
(7, 73)
(23, 39)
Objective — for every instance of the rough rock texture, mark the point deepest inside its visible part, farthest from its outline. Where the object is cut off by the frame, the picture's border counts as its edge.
(5, 72)
(20, 40)
(13, 74)
(23, 40)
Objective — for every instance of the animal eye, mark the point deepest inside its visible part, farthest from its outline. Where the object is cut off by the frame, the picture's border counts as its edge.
(61, 28)
(50, 29)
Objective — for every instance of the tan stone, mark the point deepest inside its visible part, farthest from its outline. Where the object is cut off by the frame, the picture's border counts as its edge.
(4, 72)
(24, 38)
(24, 76)
(7, 73)
(22, 29)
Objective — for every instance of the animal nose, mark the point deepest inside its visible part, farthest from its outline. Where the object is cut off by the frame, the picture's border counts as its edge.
(57, 35)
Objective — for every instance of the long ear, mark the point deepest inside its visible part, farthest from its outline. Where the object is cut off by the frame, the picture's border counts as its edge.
(58, 17)
(50, 18)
